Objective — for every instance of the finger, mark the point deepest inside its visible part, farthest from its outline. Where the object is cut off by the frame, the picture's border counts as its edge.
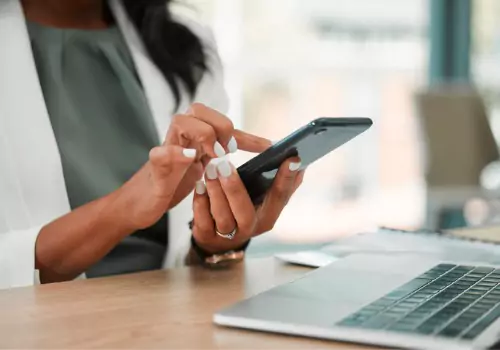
(219, 205)
(278, 196)
(251, 143)
(192, 132)
(298, 180)
(237, 196)
(222, 125)
(193, 174)
(168, 166)
(203, 230)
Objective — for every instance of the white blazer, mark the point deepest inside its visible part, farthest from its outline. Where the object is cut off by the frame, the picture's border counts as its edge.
(32, 189)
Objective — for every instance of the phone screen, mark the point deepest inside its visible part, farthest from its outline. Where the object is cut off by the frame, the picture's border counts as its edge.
(309, 143)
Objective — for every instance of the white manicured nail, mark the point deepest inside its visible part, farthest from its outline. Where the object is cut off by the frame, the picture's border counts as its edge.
(225, 168)
(200, 188)
(189, 152)
(211, 171)
(294, 166)
(232, 146)
(219, 150)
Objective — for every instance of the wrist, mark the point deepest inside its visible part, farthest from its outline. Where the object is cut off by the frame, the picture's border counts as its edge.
(215, 257)
(119, 205)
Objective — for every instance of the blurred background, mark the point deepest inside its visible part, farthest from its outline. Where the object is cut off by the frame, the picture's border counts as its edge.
(426, 72)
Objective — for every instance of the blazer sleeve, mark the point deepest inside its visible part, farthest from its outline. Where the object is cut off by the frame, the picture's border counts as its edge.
(17, 258)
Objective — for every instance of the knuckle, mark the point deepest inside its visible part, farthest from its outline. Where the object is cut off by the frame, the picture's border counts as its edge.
(282, 192)
(225, 225)
(247, 222)
(198, 107)
(163, 157)
(202, 236)
(231, 188)
(170, 158)
(204, 229)
(176, 120)
(226, 125)
(207, 134)
(268, 226)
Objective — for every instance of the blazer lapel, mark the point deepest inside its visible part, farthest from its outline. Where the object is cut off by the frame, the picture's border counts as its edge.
(162, 103)
(26, 128)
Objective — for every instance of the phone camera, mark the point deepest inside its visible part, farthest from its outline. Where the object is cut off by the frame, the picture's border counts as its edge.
(320, 131)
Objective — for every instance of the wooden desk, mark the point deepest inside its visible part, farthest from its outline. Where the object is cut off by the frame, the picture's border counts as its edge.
(164, 309)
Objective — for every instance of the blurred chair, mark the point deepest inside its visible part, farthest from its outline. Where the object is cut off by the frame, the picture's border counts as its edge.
(460, 144)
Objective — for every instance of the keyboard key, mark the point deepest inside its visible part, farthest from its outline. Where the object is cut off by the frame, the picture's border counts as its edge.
(458, 326)
(407, 288)
(491, 298)
(485, 283)
(483, 270)
(471, 280)
(483, 323)
(489, 279)
(494, 275)
(349, 323)
(445, 267)
(455, 274)
(402, 327)
(451, 332)
(380, 322)
(427, 329)
(382, 303)
(408, 305)
(463, 269)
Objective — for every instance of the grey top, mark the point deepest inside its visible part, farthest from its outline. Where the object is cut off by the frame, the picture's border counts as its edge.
(103, 127)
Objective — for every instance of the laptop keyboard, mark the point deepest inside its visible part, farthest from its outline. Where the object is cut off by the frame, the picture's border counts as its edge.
(448, 300)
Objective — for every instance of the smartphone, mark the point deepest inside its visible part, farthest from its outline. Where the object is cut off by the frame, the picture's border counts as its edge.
(310, 143)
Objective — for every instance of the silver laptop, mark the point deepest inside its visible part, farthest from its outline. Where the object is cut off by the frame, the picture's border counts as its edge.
(394, 300)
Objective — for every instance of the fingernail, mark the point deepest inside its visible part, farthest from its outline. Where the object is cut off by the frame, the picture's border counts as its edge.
(219, 150)
(225, 169)
(189, 152)
(211, 171)
(232, 146)
(294, 166)
(200, 188)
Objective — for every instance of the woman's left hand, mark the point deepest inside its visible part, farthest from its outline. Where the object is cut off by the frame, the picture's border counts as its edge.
(223, 205)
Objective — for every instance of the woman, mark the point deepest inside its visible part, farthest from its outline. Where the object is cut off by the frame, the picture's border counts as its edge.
(87, 90)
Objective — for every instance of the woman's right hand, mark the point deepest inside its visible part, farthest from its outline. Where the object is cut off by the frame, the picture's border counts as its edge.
(174, 167)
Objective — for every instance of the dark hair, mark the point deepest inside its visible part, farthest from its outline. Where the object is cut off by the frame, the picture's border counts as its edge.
(173, 47)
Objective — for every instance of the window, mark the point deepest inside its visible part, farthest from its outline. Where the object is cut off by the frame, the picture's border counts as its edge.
(485, 57)
(289, 61)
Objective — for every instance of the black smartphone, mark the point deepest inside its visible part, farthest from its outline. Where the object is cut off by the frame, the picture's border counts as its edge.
(311, 142)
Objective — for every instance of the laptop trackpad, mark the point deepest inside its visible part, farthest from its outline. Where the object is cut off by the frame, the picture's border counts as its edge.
(326, 295)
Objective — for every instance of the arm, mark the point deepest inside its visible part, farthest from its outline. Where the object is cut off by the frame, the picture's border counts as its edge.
(69, 245)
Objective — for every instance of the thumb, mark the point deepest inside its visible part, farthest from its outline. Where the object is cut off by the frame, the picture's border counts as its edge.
(251, 143)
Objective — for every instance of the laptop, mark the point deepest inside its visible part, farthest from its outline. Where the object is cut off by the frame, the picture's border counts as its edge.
(402, 301)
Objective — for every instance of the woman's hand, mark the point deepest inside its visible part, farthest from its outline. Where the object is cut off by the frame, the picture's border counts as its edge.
(173, 169)
(212, 134)
(224, 205)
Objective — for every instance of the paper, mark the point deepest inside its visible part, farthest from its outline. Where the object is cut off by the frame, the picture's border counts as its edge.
(309, 258)
(440, 247)
(486, 234)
